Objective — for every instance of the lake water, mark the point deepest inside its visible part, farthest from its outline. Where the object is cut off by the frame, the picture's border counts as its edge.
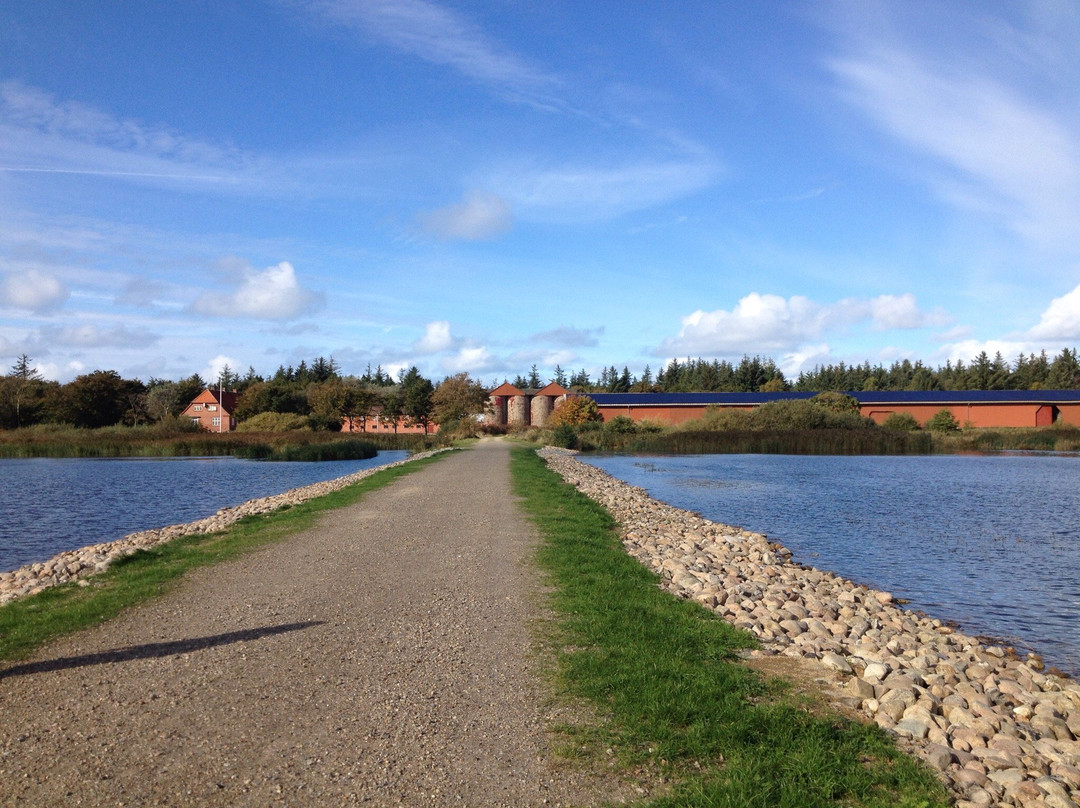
(48, 506)
(990, 542)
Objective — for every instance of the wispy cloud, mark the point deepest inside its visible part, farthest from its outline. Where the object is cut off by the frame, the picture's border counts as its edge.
(89, 335)
(42, 134)
(569, 337)
(479, 216)
(590, 193)
(442, 36)
(994, 145)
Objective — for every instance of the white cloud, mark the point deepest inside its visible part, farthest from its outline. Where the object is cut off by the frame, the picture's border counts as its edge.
(214, 367)
(474, 360)
(272, 294)
(33, 290)
(436, 338)
(765, 323)
(478, 216)
(1061, 320)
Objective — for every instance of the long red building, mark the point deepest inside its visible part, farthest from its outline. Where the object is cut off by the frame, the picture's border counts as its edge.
(975, 408)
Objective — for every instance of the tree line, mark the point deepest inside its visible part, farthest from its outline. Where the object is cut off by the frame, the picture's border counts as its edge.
(757, 374)
(314, 394)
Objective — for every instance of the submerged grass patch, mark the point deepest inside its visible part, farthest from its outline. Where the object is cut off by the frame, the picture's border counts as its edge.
(665, 677)
(27, 623)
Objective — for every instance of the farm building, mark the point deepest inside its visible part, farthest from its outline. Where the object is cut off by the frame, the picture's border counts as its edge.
(213, 410)
(977, 408)
(513, 407)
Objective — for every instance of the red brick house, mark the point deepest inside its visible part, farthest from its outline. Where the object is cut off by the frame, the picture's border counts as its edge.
(213, 411)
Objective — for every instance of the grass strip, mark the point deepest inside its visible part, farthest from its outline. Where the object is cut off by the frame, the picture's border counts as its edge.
(28, 623)
(666, 679)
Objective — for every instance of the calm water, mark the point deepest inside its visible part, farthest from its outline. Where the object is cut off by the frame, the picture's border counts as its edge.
(48, 506)
(992, 543)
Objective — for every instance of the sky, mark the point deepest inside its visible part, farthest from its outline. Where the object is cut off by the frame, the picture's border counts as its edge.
(487, 186)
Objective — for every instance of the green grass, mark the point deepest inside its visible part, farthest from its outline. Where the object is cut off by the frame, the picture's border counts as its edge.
(665, 680)
(28, 623)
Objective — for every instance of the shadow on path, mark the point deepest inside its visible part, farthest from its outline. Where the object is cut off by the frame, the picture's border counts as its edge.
(154, 649)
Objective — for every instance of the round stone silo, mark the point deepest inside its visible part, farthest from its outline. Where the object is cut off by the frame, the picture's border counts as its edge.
(496, 413)
(541, 409)
(517, 411)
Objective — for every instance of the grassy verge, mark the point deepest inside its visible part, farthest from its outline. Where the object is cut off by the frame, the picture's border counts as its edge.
(27, 623)
(665, 677)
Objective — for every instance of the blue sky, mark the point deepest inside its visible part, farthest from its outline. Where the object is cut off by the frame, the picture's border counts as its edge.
(484, 186)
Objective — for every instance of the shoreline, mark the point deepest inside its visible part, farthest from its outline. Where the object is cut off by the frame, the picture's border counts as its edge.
(997, 728)
(80, 563)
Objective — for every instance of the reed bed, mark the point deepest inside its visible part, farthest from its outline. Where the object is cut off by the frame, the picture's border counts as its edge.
(179, 441)
(793, 441)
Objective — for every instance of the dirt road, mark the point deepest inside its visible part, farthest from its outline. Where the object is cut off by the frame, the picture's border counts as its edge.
(383, 658)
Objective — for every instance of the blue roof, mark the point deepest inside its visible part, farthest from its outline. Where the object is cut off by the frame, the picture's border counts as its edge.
(882, 397)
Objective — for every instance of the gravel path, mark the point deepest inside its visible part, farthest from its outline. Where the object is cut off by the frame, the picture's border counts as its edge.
(382, 658)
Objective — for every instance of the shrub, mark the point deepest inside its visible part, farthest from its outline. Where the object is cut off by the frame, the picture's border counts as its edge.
(901, 422)
(564, 436)
(573, 411)
(836, 402)
(943, 421)
(803, 414)
(621, 425)
(723, 419)
(273, 422)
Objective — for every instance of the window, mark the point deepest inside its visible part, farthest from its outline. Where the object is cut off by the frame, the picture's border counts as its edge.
(215, 421)
(196, 421)
(197, 408)
(211, 407)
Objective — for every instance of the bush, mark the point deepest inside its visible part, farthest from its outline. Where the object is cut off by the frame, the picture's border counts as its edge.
(574, 411)
(719, 419)
(836, 402)
(621, 425)
(943, 421)
(273, 422)
(901, 422)
(803, 414)
(564, 436)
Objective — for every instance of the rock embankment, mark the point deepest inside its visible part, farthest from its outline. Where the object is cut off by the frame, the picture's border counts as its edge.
(77, 565)
(999, 729)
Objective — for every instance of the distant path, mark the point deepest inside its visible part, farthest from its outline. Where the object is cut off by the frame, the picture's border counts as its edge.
(381, 658)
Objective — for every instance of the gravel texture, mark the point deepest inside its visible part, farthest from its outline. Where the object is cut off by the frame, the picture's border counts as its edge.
(381, 658)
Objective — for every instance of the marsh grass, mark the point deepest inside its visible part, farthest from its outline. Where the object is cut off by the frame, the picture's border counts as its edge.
(665, 677)
(787, 441)
(178, 440)
(27, 623)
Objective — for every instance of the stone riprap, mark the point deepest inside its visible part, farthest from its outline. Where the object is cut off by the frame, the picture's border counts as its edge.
(999, 729)
(77, 565)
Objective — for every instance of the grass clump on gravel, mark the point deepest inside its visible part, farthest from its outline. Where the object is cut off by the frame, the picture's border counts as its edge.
(674, 699)
(27, 623)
